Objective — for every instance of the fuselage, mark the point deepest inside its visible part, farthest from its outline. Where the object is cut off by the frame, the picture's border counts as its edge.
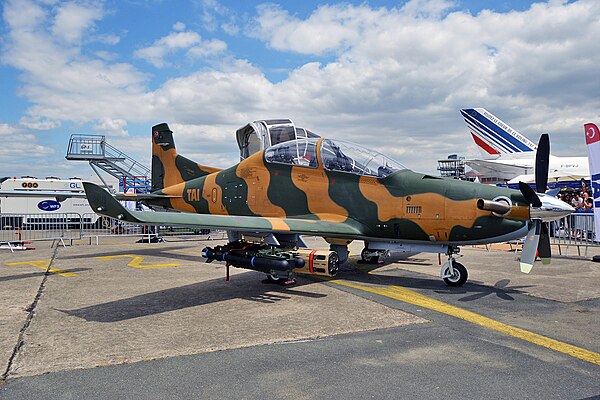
(402, 206)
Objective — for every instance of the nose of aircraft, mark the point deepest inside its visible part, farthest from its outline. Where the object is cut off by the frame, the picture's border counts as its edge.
(552, 209)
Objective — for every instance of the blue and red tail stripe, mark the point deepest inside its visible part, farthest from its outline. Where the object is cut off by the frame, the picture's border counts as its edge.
(486, 147)
(494, 136)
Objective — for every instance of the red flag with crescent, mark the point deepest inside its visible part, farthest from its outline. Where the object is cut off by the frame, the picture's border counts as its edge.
(592, 134)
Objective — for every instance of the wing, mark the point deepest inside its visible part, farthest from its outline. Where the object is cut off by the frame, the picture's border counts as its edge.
(487, 166)
(103, 203)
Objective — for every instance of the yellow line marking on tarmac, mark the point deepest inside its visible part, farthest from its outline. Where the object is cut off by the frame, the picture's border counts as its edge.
(137, 260)
(412, 297)
(43, 264)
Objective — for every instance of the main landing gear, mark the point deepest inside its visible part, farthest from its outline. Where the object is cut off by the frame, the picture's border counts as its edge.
(453, 273)
(275, 279)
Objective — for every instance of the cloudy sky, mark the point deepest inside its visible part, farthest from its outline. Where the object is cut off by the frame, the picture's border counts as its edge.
(389, 75)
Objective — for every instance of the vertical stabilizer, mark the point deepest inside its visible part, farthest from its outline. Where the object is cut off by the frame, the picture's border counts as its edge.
(169, 168)
(492, 135)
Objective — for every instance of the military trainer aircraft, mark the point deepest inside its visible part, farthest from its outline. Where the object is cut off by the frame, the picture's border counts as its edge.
(341, 192)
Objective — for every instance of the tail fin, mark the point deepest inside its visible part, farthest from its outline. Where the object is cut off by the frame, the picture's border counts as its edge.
(494, 136)
(169, 168)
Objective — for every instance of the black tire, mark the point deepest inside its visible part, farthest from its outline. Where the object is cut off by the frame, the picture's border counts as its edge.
(459, 277)
(342, 252)
(275, 279)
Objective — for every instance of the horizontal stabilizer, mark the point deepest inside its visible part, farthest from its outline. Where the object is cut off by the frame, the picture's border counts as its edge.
(142, 196)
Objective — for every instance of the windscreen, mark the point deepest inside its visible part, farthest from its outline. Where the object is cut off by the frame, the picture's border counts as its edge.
(352, 158)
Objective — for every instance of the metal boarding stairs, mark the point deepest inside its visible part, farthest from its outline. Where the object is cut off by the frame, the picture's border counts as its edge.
(101, 155)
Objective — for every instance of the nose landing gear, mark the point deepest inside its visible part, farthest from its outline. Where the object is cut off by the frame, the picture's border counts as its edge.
(453, 273)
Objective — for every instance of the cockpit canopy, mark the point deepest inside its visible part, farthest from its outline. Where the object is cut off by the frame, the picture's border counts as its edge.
(336, 155)
(260, 134)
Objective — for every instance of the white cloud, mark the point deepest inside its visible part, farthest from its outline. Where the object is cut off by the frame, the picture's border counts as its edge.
(212, 10)
(39, 124)
(394, 78)
(19, 147)
(175, 41)
(405, 72)
(108, 39)
(427, 8)
(115, 127)
(106, 55)
(58, 80)
(155, 53)
(73, 19)
(207, 48)
(7, 130)
(230, 28)
(179, 26)
(330, 27)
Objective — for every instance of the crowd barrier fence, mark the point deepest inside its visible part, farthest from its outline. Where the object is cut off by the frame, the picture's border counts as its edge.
(17, 228)
(20, 228)
(575, 230)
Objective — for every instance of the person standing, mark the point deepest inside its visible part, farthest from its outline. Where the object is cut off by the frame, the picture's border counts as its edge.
(576, 201)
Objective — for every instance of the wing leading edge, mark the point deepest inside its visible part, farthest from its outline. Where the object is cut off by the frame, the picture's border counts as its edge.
(103, 203)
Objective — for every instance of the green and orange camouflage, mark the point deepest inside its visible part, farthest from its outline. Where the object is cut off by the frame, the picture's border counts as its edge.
(309, 194)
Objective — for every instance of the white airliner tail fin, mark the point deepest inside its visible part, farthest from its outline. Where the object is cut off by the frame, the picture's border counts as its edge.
(492, 135)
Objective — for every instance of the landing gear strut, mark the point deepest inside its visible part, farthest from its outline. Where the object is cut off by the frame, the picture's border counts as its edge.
(453, 273)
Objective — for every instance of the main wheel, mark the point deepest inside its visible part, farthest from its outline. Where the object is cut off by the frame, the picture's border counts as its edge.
(459, 277)
(275, 279)
(342, 252)
(364, 255)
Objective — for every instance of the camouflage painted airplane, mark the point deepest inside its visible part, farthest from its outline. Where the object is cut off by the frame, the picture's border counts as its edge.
(341, 192)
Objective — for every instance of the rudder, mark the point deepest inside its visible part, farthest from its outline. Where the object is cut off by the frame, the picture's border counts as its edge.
(168, 167)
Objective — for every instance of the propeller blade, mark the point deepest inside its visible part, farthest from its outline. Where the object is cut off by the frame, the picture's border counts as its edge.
(542, 158)
(530, 246)
(529, 194)
(544, 245)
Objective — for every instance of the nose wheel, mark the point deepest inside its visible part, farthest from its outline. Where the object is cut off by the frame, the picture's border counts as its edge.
(454, 273)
